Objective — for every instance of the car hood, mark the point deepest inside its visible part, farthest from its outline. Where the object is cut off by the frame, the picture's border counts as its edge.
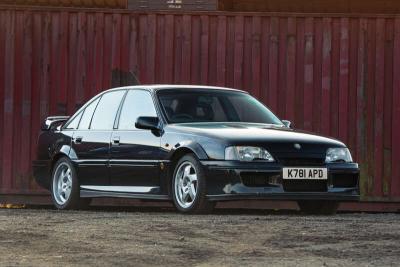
(273, 137)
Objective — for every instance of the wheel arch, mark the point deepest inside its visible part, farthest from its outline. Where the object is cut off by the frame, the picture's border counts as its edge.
(177, 154)
(63, 150)
(55, 158)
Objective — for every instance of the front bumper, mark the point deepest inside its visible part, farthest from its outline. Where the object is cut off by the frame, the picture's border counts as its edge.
(231, 180)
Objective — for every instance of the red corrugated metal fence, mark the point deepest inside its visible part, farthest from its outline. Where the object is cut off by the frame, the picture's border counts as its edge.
(335, 75)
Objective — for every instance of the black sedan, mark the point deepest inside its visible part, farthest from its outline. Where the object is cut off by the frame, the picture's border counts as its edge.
(194, 145)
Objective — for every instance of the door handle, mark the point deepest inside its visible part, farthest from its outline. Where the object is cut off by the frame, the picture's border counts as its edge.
(78, 139)
(115, 140)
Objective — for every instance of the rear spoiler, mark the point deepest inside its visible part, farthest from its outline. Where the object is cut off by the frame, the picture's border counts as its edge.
(52, 122)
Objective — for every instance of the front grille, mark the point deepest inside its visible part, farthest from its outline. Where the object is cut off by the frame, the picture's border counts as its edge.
(260, 179)
(305, 186)
(293, 162)
(344, 180)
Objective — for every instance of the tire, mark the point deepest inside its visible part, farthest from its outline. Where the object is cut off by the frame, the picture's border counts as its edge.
(317, 207)
(65, 190)
(189, 187)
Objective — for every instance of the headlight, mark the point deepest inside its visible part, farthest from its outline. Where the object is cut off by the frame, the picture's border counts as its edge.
(340, 154)
(247, 153)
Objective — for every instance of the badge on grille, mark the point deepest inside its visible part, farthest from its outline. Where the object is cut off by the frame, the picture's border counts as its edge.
(297, 146)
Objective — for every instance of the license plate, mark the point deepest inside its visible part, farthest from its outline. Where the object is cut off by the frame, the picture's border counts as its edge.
(305, 173)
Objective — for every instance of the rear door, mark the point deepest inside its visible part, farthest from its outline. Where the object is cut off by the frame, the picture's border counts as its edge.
(91, 141)
(135, 153)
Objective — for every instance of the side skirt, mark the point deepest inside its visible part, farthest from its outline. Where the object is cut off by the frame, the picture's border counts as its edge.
(137, 192)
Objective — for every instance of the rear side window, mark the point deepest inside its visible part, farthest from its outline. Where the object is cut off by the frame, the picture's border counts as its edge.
(137, 103)
(75, 121)
(104, 116)
(87, 115)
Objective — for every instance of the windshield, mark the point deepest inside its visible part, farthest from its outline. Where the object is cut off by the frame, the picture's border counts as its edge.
(208, 105)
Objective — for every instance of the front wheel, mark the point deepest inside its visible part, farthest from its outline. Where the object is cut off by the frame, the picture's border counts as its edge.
(189, 186)
(317, 207)
(65, 190)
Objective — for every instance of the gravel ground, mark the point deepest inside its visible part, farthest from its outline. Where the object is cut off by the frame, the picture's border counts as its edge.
(158, 237)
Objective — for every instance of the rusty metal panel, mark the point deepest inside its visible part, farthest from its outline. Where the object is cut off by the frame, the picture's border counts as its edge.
(336, 75)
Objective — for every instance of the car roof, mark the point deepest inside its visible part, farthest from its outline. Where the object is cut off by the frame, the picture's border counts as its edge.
(156, 87)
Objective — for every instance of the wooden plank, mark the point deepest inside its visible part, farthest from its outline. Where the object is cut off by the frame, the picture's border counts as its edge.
(186, 48)
(80, 68)
(35, 108)
(238, 62)
(134, 49)
(291, 70)
(395, 185)
(256, 56)
(2, 80)
(107, 51)
(98, 48)
(298, 121)
(344, 80)
(326, 76)
(169, 44)
(115, 69)
(369, 162)
(204, 49)
(44, 67)
(352, 116)
(247, 76)
(379, 101)
(17, 97)
(335, 70)
(212, 51)
(361, 99)
(195, 70)
(177, 49)
(25, 126)
(387, 111)
(89, 83)
(159, 47)
(54, 62)
(63, 64)
(308, 73)
(125, 39)
(230, 51)
(282, 83)
(317, 74)
(273, 65)
(151, 48)
(265, 59)
(221, 51)
(72, 62)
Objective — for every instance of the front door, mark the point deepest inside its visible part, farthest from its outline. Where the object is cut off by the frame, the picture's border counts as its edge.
(135, 153)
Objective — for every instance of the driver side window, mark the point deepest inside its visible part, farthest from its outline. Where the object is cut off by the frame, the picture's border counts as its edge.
(137, 103)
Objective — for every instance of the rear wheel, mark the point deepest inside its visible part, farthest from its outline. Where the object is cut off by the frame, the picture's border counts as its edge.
(316, 207)
(189, 186)
(65, 190)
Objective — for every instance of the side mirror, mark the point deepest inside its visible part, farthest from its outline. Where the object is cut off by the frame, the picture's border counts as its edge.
(287, 123)
(147, 123)
(52, 123)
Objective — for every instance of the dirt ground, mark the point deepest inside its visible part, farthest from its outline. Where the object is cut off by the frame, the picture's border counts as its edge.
(142, 237)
